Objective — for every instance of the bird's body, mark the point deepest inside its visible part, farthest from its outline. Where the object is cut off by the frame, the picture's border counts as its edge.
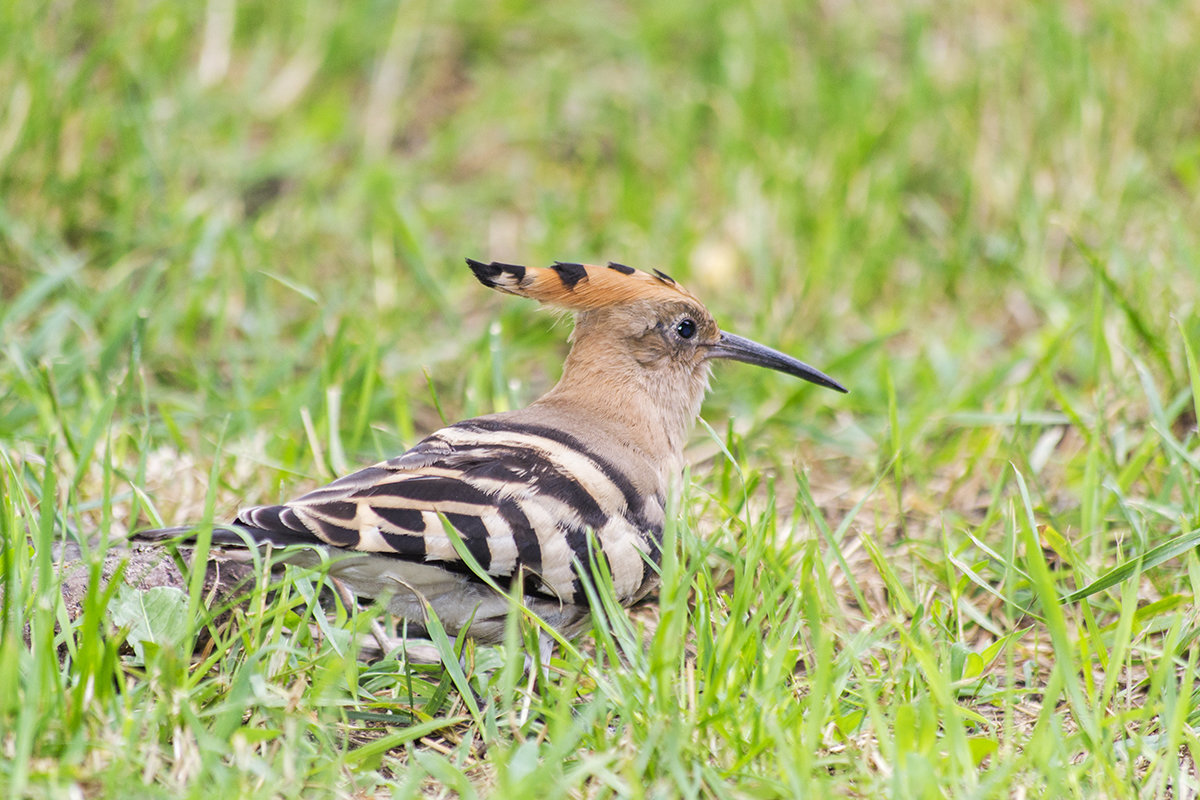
(542, 492)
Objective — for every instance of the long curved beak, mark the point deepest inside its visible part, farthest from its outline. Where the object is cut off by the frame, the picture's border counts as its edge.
(739, 348)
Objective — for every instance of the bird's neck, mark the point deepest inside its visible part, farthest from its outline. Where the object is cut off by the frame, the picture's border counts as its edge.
(649, 411)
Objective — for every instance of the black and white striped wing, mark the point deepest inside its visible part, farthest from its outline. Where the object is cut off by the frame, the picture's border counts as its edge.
(521, 496)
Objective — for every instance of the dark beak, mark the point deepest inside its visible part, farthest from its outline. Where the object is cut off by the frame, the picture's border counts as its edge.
(750, 352)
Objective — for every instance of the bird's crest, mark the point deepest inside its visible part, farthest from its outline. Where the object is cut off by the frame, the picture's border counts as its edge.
(580, 287)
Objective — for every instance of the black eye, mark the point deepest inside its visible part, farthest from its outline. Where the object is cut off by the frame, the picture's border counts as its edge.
(686, 328)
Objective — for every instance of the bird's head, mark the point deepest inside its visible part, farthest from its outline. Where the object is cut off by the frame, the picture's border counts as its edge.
(638, 334)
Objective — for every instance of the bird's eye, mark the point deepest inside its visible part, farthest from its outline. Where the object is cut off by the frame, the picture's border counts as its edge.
(686, 328)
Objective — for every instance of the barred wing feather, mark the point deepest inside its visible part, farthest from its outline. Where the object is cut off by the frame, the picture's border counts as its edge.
(521, 497)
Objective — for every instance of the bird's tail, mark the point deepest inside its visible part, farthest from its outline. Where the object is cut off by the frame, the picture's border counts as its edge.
(225, 535)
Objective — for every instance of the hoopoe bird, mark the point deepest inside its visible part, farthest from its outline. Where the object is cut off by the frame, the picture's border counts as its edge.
(526, 490)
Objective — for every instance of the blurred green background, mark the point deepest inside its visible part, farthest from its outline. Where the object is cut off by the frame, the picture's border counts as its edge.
(232, 238)
(251, 203)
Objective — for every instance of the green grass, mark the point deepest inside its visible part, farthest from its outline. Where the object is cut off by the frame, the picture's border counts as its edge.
(231, 243)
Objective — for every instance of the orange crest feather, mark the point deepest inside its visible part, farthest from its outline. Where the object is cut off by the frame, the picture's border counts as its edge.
(579, 286)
